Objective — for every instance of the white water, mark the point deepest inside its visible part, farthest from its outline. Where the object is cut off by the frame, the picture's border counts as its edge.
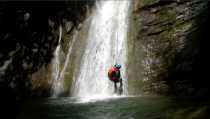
(106, 45)
(56, 66)
(58, 74)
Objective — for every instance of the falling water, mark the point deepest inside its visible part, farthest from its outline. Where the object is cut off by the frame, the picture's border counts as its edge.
(106, 45)
(58, 73)
(56, 66)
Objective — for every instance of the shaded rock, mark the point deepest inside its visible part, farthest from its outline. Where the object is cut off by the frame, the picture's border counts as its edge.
(165, 37)
(29, 33)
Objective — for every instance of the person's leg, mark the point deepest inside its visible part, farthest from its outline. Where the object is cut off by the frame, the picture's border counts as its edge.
(115, 87)
(121, 87)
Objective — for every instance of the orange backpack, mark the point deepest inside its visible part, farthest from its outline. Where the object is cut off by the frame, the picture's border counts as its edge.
(112, 72)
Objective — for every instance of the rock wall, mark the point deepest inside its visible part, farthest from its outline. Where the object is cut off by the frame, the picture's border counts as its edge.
(164, 47)
(29, 33)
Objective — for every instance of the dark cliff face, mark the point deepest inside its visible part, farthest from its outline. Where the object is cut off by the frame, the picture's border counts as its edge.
(29, 33)
(165, 41)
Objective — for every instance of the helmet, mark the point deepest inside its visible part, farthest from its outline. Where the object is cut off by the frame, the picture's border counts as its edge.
(118, 66)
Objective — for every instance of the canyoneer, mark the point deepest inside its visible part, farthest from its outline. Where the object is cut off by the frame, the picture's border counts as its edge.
(115, 76)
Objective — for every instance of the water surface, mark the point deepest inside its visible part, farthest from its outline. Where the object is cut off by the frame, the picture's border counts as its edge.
(112, 108)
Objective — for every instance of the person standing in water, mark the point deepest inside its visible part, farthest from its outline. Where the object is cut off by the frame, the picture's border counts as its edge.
(115, 76)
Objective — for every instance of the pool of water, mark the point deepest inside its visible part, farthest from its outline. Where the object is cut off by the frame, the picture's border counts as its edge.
(147, 107)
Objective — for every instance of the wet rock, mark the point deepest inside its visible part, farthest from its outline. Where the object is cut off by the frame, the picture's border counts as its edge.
(165, 37)
(28, 37)
(26, 16)
(68, 26)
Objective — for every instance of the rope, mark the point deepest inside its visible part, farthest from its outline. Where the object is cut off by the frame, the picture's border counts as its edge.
(116, 43)
(117, 55)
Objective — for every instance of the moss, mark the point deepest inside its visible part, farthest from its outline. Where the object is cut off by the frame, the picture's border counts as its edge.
(41, 82)
(66, 38)
(144, 3)
(69, 77)
(166, 15)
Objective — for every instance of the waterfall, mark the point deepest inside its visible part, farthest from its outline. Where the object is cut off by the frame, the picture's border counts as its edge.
(56, 66)
(58, 73)
(106, 45)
